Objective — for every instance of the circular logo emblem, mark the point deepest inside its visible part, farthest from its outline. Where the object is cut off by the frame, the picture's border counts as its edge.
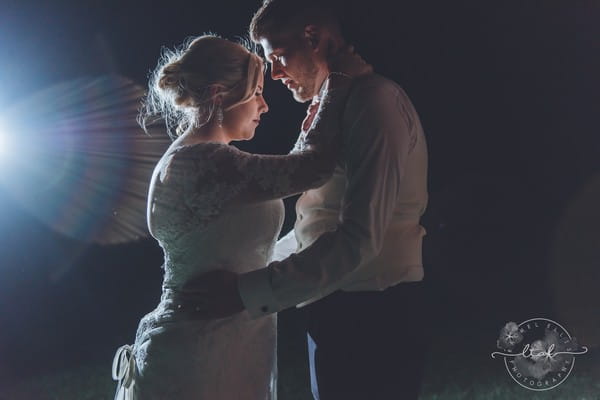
(539, 354)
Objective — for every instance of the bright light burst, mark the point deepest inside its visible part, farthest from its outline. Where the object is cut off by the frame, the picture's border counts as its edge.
(4, 142)
(83, 165)
(9, 145)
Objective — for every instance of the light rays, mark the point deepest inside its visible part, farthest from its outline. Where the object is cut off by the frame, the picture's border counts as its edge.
(79, 161)
(5, 143)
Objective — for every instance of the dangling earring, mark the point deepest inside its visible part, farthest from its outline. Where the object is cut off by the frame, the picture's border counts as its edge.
(219, 115)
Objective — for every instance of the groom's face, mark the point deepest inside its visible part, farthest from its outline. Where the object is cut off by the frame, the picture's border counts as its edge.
(295, 63)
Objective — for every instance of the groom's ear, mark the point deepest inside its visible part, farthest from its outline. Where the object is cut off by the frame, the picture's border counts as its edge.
(312, 34)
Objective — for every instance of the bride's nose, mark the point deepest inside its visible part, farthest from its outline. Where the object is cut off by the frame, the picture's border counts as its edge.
(264, 107)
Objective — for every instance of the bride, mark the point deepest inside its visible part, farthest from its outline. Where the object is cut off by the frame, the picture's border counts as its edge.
(210, 205)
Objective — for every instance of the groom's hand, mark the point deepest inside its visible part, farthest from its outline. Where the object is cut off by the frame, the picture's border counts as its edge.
(219, 294)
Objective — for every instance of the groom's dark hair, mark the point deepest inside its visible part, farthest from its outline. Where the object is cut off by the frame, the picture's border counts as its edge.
(277, 17)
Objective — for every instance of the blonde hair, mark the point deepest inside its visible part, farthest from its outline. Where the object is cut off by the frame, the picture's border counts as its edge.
(184, 86)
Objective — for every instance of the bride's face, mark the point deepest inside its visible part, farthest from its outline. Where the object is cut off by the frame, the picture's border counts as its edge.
(241, 121)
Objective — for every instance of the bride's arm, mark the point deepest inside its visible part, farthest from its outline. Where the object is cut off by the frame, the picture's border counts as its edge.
(231, 176)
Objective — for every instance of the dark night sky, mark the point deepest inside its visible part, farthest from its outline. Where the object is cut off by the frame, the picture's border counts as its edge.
(507, 93)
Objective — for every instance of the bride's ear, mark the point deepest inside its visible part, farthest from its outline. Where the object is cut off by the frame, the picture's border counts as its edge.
(216, 93)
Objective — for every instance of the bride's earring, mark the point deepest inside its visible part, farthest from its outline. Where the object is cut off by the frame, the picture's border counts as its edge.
(219, 115)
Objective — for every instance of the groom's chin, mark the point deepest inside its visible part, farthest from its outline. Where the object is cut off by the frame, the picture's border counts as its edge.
(300, 95)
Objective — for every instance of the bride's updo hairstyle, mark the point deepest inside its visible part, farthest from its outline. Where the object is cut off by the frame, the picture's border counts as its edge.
(184, 87)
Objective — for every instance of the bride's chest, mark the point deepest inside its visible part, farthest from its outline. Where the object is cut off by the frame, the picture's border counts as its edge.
(260, 219)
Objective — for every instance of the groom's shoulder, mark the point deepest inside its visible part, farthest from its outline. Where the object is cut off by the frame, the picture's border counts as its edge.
(373, 85)
(375, 80)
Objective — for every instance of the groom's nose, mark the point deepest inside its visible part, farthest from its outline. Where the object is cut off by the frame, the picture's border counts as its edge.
(277, 71)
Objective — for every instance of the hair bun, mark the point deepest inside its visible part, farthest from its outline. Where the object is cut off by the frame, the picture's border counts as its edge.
(171, 80)
(170, 77)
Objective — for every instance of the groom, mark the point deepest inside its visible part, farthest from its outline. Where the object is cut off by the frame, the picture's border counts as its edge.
(357, 239)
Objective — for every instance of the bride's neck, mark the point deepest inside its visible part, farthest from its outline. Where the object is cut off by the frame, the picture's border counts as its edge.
(206, 133)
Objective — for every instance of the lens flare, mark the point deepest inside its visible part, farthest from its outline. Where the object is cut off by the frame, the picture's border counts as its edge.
(5, 143)
(79, 161)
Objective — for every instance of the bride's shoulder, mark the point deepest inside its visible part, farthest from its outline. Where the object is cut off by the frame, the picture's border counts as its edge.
(188, 149)
(196, 152)
(178, 158)
(203, 158)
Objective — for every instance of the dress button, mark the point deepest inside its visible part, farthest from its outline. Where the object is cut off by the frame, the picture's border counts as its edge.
(264, 309)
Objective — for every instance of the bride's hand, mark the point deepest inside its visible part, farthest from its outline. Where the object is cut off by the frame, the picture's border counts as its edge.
(348, 62)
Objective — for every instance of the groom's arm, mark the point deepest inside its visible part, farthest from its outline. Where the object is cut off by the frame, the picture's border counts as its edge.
(375, 149)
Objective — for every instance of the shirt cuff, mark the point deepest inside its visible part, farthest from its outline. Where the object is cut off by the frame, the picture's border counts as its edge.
(256, 293)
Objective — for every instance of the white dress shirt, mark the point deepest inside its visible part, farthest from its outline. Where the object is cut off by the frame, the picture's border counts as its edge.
(360, 230)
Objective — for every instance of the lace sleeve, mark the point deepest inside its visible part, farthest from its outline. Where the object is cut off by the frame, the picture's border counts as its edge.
(219, 175)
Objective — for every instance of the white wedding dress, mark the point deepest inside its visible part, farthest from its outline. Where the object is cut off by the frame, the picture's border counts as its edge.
(213, 206)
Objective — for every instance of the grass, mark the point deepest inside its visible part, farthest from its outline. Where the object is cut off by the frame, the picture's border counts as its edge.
(459, 367)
